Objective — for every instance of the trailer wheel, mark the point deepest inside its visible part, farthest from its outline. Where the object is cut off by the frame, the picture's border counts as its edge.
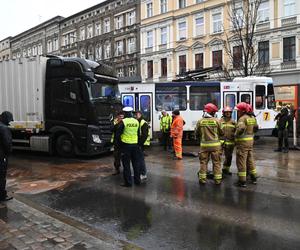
(65, 146)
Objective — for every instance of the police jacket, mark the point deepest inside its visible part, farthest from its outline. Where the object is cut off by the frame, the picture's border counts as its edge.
(128, 131)
(144, 132)
(5, 141)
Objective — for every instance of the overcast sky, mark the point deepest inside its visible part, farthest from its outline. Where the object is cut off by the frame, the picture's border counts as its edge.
(20, 15)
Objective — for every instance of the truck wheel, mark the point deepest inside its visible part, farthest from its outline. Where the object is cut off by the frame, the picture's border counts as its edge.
(65, 146)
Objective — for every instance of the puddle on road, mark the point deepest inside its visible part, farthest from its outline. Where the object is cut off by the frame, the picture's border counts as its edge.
(33, 177)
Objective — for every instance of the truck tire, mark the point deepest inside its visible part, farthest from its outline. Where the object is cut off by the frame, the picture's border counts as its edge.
(65, 146)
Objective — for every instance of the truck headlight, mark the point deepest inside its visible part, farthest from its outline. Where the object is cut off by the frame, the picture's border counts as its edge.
(96, 139)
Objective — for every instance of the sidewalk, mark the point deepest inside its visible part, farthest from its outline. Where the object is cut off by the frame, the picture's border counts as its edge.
(23, 227)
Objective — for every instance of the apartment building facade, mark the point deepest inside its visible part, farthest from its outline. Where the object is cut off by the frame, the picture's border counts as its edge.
(5, 49)
(182, 35)
(108, 33)
(42, 39)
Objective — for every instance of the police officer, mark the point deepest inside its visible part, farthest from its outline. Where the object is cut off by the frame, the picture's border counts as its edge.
(228, 126)
(284, 124)
(5, 149)
(244, 138)
(209, 131)
(144, 140)
(128, 133)
(165, 126)
(117, 143)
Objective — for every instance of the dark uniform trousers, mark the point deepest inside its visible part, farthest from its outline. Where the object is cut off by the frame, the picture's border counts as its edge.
(166, 140)
(3, 170)
(117, 157)
(228, 151)
(131, 152)
(283, 136)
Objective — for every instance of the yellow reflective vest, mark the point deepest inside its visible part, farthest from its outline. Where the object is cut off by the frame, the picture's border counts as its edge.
(131, 130)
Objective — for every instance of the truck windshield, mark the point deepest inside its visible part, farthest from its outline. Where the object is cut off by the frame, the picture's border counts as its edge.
(104, 90)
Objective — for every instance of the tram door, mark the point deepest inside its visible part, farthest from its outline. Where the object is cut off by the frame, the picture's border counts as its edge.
(142, 102)
(230, 100)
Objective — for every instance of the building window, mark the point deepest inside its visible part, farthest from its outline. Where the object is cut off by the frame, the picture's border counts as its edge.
(49, 46)
(150, 39)
(90, 31)
(199, 1)
(119, 22)
(131, 18)
(263, 12)
(82, 53)
(82, 34)
(131, 45)
(119, 45)
(98, 52)
(289, 49)
(98, 29)
(150, 69)
(263, 53)
(199, 61)
(120, 72)
(181, 4)
(289, 7)
(149, 9)
(163, 6)
(106, 25)
(217, 58)
(24, 53)
(164, 67)
(40, 49)
(182, 64)
(34, 50)
(90, 53)
(107, 51)
(238, 16)
(199, 25)
(237, 57)
(131, 70)
(55, 44)
(217, 22)
(163, 35)
(182, 30)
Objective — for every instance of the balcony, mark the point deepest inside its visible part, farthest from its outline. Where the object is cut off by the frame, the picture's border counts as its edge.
(289, 65)
(263, 26)
(289, 21)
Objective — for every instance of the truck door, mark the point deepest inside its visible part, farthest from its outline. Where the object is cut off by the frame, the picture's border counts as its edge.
(230, 100)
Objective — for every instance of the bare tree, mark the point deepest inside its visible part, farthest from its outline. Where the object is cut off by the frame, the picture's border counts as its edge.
(239, 40)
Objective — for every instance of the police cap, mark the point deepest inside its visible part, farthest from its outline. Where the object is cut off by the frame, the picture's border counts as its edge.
(128, 109)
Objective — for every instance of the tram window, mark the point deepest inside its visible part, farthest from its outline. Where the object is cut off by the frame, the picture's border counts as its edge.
(271, 97)
(170, 98)
(246, 98)
(230, 100)
(128, 101)
(145, 106)
(199, 96)
(260, 96)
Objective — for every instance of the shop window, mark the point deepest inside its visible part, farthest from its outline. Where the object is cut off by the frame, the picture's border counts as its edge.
(170, 98)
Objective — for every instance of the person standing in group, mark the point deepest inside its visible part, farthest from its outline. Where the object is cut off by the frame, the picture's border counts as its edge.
(284, 124)
(144, 140)
(228, 126)
(128, 133)
(244, 139)
(165, 126)
(177, 133)
(209, 131)
(117, 143)
(5, 149)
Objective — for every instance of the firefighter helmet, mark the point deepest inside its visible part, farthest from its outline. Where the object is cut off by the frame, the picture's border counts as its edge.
(250, 109)
(227, 109)
(243, 107)
(210, 108)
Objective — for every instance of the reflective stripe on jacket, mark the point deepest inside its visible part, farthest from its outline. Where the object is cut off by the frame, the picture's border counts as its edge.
(147, 142)
(244, 134)
(165, 123)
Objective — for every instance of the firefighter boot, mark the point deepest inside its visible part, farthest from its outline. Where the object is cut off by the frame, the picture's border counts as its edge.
(218, 182)
(253, 179)
(201, 179)
(241, 184)
(226, 171)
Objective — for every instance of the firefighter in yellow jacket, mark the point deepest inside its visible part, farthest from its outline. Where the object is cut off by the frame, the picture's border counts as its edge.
(244, 138)
(228, 126)
(209, 131)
